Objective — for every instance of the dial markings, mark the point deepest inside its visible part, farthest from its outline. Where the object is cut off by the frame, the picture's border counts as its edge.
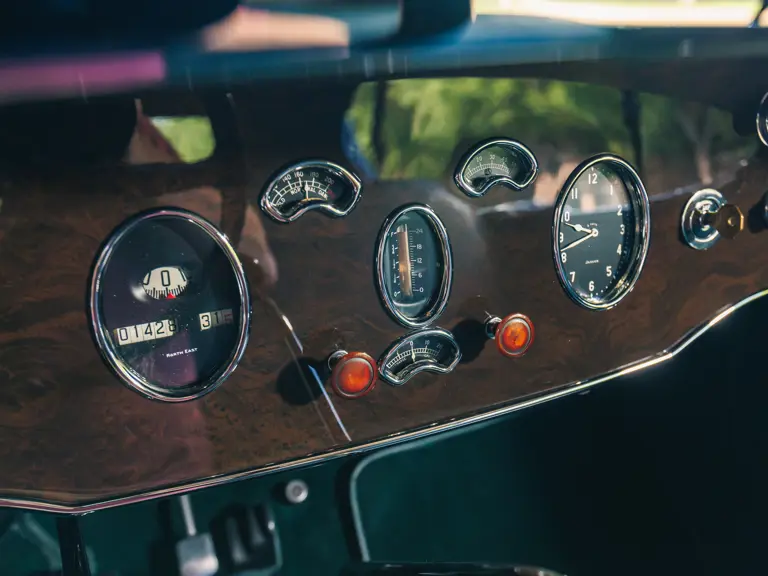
(600, 211)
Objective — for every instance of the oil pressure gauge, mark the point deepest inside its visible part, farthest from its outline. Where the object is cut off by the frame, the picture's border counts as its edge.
(498, 161)
(311, 185)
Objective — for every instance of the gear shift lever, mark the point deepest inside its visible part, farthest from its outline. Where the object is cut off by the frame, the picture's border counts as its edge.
(195, 553)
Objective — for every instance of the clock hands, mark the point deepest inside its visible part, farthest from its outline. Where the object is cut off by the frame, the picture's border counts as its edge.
(591, 233)
(578, 227)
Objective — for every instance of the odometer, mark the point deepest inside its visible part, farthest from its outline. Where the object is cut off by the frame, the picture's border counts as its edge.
(169, 305)
(601, 231)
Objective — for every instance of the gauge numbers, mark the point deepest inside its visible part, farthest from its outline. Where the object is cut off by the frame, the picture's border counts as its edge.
(311, 185)
(166, 282)
(146, 332)
(493, 162)
(432, 350)
(601, 231)
(414, 265)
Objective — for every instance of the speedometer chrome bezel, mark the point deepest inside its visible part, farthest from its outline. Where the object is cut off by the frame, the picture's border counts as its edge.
(639, 199)
(328, 208)
(441, 301)
(517, 148)
(391, 379)
(126, 373)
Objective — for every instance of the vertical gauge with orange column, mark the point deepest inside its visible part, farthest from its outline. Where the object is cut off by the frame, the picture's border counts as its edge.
(414, 265)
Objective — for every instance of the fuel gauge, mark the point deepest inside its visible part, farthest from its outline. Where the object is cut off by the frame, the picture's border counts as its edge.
(430, 350)
(493, 162)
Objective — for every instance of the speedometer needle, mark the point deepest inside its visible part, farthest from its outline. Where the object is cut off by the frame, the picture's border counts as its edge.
(413, 352)
(592, 234)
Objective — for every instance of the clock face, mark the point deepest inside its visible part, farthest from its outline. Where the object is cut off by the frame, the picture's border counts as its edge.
(600, 233)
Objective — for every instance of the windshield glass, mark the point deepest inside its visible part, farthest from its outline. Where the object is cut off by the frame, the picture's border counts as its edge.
(705, 13)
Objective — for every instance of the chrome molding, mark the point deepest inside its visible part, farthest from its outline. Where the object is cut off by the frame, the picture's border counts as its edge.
(393, 439)
(517, 148)
(445, 284)
(642, 208)
(126, 373)
(761, 119)
(328, 208)
(418, 367)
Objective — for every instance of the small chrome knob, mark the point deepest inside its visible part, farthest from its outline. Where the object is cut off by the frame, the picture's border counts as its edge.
(353, 374)
(513, 334)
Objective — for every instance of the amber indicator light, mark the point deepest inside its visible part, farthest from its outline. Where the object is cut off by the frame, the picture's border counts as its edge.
(514, 335)
(354, 375)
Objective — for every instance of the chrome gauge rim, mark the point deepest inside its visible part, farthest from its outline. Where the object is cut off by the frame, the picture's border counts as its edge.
(326, 207)
(761, 118)
(639, 199)
(441, 301)
(126, 373)
(518, 147)
(417, 368)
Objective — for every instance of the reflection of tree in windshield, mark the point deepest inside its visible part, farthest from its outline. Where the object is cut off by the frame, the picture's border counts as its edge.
(428, 124)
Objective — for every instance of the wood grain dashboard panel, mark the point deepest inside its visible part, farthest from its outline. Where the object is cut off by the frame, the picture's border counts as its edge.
(71, 434)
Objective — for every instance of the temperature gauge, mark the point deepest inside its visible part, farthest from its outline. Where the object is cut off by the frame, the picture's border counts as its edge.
(312, 185)
(493, 162)
(414, 265)
(430, 350)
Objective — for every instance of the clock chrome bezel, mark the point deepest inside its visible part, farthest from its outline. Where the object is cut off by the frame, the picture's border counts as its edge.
(641, 205)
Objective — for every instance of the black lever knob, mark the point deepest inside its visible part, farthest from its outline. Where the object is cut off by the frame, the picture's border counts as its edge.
(246, 541)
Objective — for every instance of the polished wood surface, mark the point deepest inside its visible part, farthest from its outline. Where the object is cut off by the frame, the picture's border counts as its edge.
(70, 433)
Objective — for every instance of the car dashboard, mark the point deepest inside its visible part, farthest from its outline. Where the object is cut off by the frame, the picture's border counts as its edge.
(384, 243)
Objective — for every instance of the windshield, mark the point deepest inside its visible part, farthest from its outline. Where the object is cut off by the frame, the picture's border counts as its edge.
(705, 13)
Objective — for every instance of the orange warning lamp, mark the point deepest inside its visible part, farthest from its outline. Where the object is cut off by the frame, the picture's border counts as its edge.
(353, 373)
(513, 334)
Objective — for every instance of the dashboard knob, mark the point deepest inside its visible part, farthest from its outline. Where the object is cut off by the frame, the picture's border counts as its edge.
(513, 334)
(353, 374)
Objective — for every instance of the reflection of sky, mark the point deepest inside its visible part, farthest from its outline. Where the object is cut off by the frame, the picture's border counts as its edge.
(733, 13)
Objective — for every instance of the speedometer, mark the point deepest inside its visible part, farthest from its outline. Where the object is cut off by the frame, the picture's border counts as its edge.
(169, 305)
(312, 185)
(601, 231)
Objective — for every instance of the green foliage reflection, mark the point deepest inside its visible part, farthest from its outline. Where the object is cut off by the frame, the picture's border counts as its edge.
(427, 123)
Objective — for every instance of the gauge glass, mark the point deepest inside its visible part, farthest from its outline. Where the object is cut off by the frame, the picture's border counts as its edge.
(601, 232)
(432, 350)
(169, 305)
(494, 162)
(414, 265)
(313, 185)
